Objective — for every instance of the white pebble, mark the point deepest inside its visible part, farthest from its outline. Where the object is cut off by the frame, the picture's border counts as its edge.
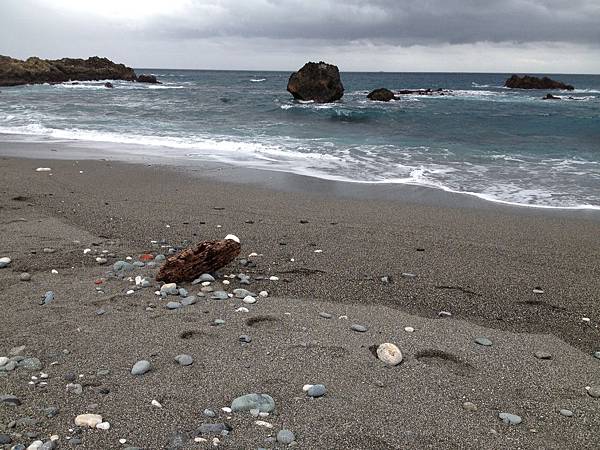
(232, 237)
(54, 271)
(248, 299)
(262, 423)
(242, 310)
(199, 439)
(54, 437)
(88, 420)
(226, 409)
(252, 254)
(389, 354)
(156, 403)
(344, 317)
(35, 445)
(86, 251)
(206, 283)
(274, 278)
(43, 169)
(128, 258)
(130, 291)
(263, 293)
(585, 319)
(226, 282)
(318, 251)
(409, 329)
(292, 260)
(306, 387)
(138, 280)
(263, 414)
(103, 426)
(122, 441)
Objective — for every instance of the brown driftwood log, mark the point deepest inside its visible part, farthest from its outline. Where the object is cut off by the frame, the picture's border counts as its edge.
(206, 257)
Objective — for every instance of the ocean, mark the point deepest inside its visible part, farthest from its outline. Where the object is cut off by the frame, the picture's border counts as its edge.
(481, 139)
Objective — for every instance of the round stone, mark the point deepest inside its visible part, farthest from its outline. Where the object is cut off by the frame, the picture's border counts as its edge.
(469, 406)
(285, 437)
(389, 354)
(31, 364)
(25, 276)
(140, 367)
(262, 402)
(4, 262)
(542, 355)
(325, 315)
(510, 419)
(597, 355)
(173, 305)
(88, 420)
(483, 341)
(566, 413)
(184, 360)
(209, 413)
(358, 328)
(316, 390)
(594, 391)
(249, 300)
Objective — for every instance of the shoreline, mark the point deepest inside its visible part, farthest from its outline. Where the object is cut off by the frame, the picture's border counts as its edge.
(37, 147)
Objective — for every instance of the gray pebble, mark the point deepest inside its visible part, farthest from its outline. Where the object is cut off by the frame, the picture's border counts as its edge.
(123, 266)
(325, 315)
(285, 437)
(48, 445)
(30, 364)
(219, 295)
(10, 400)
(188, 300)
(74, 388)
(204, 277)
(183, 292)
(510, 419)
(594, 391)
(483, 341)
(469, 406)
(566, 413)
(140, 367)
(358, 328)
(25, 276)
(317, 390)
(160, 258)
(245, 338)
(100, 312)
(4, 262)
(209, 413)
(69, 376)
(213, 428)
(48, 297)
(49, 250)
(184, 360)
(219, 322)
(597, 355)
(173, 305)
(5, 439)
(241, 293)
(51, 411)
(262, 402)
(542, 355)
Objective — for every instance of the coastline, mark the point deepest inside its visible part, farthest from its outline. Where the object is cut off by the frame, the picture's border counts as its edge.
(477, 260)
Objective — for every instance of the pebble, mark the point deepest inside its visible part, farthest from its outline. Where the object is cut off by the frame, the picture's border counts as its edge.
(219, 295)
(242, 310)
(214, 428)
(173, 305)
(49, 250)
(285, 437)
(469, 406)
(538, 291)
(262, 423)
(389, 354)
(358, 328)
(444, 314)
(169, 289)
(316, 390)
(203, 278)
(245, 338)
(184, 360)
(101, 260)
(140, 367)
(183, 292)
(597, 355)
(325, 315)
(409, 329)
(123, 266)
(9, 400)
(160, 258)
(542, 355)
(48, 297)
(156, 403)
(30, 364)
(262, 402)
(249, 300)
(3, 360)
(209, 413)
(25, 276)
(242, 293)
(5, 439)
(5, 262)
(219, 322)
(273, 278)
(263, 294)
(510, 419)
(103, 426)
(189, 300)
(75, 388)
(88, 420)
(483, 341)
(594, 391)
(35, 445)
(566, 413)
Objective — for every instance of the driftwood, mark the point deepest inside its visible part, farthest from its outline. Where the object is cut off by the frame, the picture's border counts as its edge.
(206, 257)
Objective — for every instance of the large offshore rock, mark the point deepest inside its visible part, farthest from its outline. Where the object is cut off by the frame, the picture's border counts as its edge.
(528, 82)
(319, 82)
(381, 95)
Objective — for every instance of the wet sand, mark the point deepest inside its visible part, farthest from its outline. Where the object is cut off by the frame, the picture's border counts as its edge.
(479, 262)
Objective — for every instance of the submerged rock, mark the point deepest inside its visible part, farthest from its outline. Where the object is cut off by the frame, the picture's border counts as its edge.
(144, 78)
(319, 82)
(381, 95)
(529, 82)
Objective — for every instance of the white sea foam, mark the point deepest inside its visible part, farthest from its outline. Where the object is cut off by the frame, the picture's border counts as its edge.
(257, 80)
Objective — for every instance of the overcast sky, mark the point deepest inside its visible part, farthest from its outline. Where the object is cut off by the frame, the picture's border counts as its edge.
(551, 36)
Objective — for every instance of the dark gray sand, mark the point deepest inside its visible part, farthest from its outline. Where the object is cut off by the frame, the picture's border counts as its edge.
(481, 265)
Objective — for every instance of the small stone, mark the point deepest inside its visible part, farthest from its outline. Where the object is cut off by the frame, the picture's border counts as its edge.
(16, 350)
(409, 329)
(263, 294)
(262, 423)
(204, 277)
(101, 260)
(156, 403)
(219, 322)
(30, 364)
(358, 328)
(187, 301)
(103, 426)
(3, 360)
(74, 388)
(213, 428)
(25, 276)
(262, 402)
(169, 289)
(182, 292)
(285, 437)
(140, 367)
(325, 315)
(542, 355)
(594, 391)
(184, 360)
(510, 419)
(88, 420)
(123, 266)
(49, 250)
(483, 341)
(209, 413)
(316, 390)
(35, 445)
(100, 312)
(173, 305)
(566, 413)
(219, 295)
(389, 354)
(5, 439)
(48, 297)
(597, 355)
(538, 290)
(4, 262)
(444, 314)
(245, 338)
(241, 293)
(249, 300)
(9, 400)
(51, 411)
(469, 406)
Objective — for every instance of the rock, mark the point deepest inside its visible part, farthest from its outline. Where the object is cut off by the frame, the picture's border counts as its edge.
(245, 339)
(510, 419)
(241, 293)
(3, 360)
(469, 406)
(542, 355)
(25, 276)
(483, 341)
(103, 426)
(213, 428)
(144, 78)
(389, 354)
(249, 300)
(325, 315)
(169, 289)
(9, 400)
(551, 97)
(597, 355)
(316, 390)
(108, 85)
(35, 445)
(75, 388)
(48, 298)
(173, 305)
(140, 367)
(381, 95)
(285, 437)
(358, 328)
(16, 350)
(5, 439)
(48, 445)
(207, 256)
(209, 413)
(189, 300)
(219, 295)
(88, 420)
(529, 82)
(184, 360)
(123, 266)
(594, 391)
(4, 261)
(566, 413)
(100, 261)
(34, 70)
(30, 364)
(262, 402)
(319, 82)
(204, 278)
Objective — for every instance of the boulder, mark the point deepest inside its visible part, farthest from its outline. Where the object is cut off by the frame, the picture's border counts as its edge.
(381, 95)
(550, 97)
(14, 72)
(145, 78)
(108, 85)
(528, 82)
(319, 82)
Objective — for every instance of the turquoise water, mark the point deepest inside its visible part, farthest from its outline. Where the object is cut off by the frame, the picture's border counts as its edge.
(499, 144)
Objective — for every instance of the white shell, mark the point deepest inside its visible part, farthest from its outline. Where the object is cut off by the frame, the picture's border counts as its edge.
(389, 354)
(232, 237)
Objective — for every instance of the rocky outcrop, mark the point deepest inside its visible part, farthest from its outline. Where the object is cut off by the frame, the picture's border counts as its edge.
(550, 97)
(319, 82)
(528, 82)
(108, 85)
(143, 78)
(381, 95)
(14, 72)
(428, 91)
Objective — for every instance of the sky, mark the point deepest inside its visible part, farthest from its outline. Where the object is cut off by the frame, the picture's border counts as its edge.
(535, 36)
